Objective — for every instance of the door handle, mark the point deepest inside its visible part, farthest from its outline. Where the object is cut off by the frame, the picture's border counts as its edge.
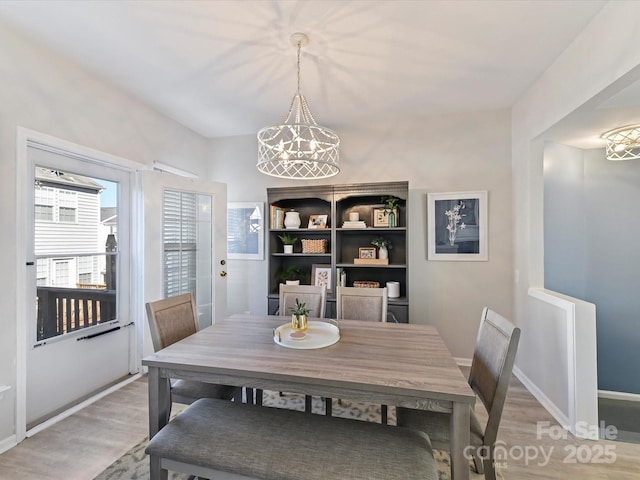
(223, 273)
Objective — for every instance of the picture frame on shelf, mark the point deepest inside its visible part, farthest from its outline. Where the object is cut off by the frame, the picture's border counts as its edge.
(367, 252)
(318, 221)
(457, 226)
(245, 230)
(321, 275)
(380, 217)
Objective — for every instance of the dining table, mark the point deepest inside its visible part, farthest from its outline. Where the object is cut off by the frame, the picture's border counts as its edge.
(382, 363)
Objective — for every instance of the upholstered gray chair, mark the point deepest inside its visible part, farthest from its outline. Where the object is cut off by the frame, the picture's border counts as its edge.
(313, 296)
(354, 303)
(370, 304)
(495, 352)
(171, 320)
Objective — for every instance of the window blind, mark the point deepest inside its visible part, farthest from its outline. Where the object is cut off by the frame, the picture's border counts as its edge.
(179, 236)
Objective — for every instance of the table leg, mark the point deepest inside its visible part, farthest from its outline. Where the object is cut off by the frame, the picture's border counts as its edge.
(159, 401)
(460, 419)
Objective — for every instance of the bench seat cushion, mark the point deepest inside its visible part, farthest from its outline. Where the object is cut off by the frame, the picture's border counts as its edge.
(277, 444)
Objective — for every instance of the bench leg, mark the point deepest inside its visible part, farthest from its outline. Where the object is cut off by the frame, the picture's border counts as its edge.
(328, 406)
(308, 403)
(155, 470)
(384, 414)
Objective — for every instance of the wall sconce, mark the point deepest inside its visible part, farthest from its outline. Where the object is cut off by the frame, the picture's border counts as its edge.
(623, 143)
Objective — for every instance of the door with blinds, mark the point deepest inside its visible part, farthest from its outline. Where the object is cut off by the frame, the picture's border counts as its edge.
(185, 243)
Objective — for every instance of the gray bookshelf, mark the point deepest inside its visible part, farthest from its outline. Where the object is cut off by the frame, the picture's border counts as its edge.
(343, 244)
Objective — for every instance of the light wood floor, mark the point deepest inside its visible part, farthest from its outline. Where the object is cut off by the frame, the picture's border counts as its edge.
(81, 446)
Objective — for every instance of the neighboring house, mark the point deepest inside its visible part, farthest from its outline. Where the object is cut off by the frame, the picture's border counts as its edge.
(67, 225)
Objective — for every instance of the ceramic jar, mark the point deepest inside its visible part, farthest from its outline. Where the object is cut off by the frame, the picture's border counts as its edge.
(292, 219)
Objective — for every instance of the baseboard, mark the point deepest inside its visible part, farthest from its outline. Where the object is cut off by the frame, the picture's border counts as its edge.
(628, 397)
(546, 403)
(8, 443)
(463, 362)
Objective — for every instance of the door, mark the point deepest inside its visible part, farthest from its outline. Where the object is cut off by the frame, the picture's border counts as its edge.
(185, 248)
(78, 307)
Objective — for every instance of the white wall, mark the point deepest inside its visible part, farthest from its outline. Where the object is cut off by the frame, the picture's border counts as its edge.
(444, 154)
(598, 57)
(44, 93)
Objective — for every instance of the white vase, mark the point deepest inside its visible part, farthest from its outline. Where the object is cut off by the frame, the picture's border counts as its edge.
(288, 248)
(292, 219)
(383, 253)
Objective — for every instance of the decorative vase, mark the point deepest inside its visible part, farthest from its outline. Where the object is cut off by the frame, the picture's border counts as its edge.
(292, 219)
(383, 253)
(299, 323)
(288, 248)
(392, 219)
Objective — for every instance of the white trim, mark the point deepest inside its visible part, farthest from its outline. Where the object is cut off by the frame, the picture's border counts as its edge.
(612, 395)
(539, 395)
(163, 167)
(24, 138)
(81, 405)
(463, 362)
(7, 443)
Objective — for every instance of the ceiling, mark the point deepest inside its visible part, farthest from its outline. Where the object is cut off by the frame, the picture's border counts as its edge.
(225, 68)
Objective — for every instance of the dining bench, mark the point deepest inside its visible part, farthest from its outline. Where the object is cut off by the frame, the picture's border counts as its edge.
(222, 440)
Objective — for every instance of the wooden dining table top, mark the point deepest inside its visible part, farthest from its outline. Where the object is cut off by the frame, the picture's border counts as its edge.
(393, 363)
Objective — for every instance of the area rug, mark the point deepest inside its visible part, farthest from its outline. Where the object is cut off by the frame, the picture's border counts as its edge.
(134, 465)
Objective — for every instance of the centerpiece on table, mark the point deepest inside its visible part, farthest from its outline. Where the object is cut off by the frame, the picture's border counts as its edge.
(299, 322)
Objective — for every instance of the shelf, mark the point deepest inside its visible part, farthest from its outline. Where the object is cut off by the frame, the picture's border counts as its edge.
(372, 229)
(302, 230)
(301, 254)
(353, 265)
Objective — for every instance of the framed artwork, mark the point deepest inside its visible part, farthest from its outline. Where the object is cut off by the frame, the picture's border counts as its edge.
(367, 252)
(457, 226)
(318, 221)
(321, 275)
(245, 230)
(379, 218)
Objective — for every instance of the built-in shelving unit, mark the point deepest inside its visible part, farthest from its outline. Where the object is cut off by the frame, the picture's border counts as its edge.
(343, 244)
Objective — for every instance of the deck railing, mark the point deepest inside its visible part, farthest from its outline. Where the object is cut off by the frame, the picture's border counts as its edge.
(64, 310)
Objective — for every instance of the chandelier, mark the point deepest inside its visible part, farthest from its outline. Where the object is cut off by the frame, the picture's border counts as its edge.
(299, 148)
(623, 143)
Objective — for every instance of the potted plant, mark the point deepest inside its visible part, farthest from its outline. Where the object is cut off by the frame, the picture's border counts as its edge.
(288, 241)
(292, 275)
(299, 313)
(390, 205)
(383, 245)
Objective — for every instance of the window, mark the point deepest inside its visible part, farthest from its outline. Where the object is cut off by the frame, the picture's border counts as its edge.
(68, 206)
(44, 202)
(179, 239)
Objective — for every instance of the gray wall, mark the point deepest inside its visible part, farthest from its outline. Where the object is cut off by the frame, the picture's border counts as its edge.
(435, 154)
(591, 251)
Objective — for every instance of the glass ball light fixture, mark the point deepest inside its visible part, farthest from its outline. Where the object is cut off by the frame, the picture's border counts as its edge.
(623, 143)
(299, 148)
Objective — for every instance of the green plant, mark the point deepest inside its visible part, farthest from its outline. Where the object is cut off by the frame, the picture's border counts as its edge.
(381, 242)
(292, 273)
(390, 203)
(299, 309)
(287, 239)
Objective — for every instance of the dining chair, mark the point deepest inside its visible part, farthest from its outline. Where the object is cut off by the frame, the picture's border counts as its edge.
(493, 357)
(356, 303)
(171, 320)
(314, 296)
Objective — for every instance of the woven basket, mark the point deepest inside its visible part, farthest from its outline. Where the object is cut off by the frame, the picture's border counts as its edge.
(314, 246)
(366, 284)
